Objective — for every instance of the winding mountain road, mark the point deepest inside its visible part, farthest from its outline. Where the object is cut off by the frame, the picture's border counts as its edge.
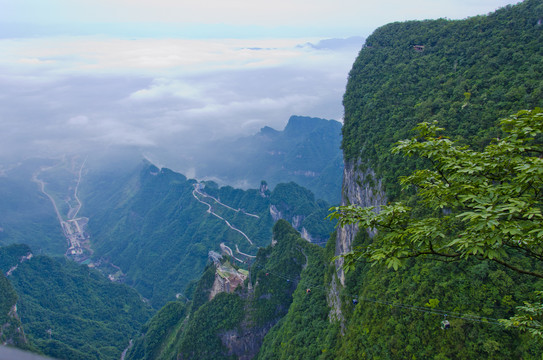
(210, 210)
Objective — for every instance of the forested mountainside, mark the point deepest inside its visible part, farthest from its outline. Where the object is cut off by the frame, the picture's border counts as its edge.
(286, 275)
(26, 215)
(11, 330)
(154, 229)
(307, 152)
(67, 310)
(466, 74)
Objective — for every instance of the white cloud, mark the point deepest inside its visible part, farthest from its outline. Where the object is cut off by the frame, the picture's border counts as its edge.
(163, 88)
(170, 97)
(279, 17)
(78, 120)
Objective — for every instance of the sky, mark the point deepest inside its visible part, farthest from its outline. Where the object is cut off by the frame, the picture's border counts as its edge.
(170, 77)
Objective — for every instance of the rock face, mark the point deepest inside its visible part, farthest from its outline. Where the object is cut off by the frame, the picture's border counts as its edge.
(227, 279)
(11, 331)
(244, 343)
(356, 190)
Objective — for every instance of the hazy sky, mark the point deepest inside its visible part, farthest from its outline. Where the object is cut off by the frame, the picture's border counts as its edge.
(170, 75)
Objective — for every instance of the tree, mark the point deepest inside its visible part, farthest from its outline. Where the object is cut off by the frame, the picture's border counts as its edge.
(468, 204)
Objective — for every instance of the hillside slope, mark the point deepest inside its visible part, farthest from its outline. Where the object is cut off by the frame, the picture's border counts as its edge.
(155, 229)
(286, 275)
(70, 311)
(466, 75)
(307, 151)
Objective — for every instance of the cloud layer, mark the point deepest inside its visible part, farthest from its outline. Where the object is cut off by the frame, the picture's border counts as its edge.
(170, 98)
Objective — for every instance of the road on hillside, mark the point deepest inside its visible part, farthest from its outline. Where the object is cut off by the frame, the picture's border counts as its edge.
(210, 210)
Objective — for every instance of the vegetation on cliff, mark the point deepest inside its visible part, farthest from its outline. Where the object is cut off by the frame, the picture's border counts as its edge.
(158, 226)
(70, 311)
(234, 325)
(465, 74)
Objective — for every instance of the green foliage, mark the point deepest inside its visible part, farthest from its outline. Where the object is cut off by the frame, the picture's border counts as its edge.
(11, 255)
(530, 317)
(201, 340)
(161, 325)
(157, 232)
(233, 325)
(307, 152)
(305, 332)
(70, 311)
(391, 320)
(484, 204)
(26, 215)
(10, 326)
(497, 59)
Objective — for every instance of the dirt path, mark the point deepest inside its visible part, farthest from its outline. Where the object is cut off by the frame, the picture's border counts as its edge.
(226, 206)
(210, 210)
(79, 204)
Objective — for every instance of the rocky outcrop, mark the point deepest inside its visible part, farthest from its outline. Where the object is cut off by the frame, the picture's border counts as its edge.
(227, 279)
(275, 213)
(244, 343)
(360, 187)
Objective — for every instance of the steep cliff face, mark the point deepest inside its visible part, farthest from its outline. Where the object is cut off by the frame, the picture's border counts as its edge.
(11, 331)
(361, 188)
(244, 343)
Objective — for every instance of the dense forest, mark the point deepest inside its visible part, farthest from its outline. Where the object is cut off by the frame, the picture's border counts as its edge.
(69, 311)
(464, 74)
(467, 75)
(307, 151)
(157, 229)
(287, 276)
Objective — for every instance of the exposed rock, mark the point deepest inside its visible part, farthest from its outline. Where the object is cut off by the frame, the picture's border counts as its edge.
(245, 343)
(275, 213)
(264, 191)
(227, 279)
(356, 190)
(21, 260)
(306, 235)
(297, 221)
(11, 332)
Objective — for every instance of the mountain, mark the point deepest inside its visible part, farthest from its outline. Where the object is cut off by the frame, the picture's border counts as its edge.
(68, 311)
(154, 229)
(11, 330)
(307, 152)
(26, 214)
(286, 275)
(466, 74)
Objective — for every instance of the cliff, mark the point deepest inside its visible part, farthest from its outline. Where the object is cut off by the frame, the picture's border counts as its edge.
(221, 324)
(11, 330)
(466, 75)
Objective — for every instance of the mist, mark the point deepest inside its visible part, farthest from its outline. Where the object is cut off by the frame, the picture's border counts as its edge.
(168, 100)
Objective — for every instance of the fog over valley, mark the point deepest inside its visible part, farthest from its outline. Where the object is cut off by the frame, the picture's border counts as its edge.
(168, 80)
(170, 99)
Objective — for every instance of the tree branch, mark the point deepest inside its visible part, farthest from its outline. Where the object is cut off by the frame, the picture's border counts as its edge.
(519, 270)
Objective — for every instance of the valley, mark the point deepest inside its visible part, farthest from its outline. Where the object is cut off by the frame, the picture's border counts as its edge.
(425, 258)
(198, 190)
(73, 227)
